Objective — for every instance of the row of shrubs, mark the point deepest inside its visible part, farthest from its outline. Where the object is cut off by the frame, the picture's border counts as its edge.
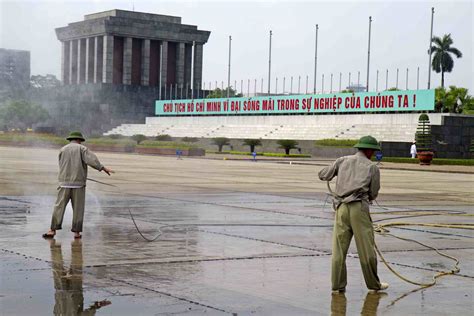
(165, 141)
(139, 140)
(246, 153)
(32, 139)
(435, 161)
(164, 137)
(285, 144)
(331, 142)
(35, 139)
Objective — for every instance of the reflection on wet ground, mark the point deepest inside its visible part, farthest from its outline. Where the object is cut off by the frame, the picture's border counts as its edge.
(370, 307)
(238, 237)
(68, 296)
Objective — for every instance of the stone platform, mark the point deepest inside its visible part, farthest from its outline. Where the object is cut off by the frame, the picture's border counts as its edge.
(245, 238)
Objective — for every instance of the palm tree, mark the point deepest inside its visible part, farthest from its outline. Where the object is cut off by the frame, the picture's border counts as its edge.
(221, 142)
(442, 60)
(139, 138)
(287, 145)
(252, 143)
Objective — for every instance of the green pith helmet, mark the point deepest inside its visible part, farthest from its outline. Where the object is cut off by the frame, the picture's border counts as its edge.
(367, 142)
(76, 135)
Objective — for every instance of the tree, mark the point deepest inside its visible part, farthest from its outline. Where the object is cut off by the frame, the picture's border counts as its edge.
(454, 100)
(163, 138)
(221, 142)
(189, 139)
(423, 134)
(48, 81)
(139, 138)
(287, 145)
(21, 114)
(252, 143)
(115, 136)
(442, 60)
(219, 93)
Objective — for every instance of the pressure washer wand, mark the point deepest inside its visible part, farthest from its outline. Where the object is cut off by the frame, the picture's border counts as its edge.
(97, 181)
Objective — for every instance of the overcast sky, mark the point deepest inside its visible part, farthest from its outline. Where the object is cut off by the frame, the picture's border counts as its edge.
(400, 35)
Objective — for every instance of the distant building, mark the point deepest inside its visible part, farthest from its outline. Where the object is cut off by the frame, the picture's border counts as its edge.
(356, 87)
(14, 68)
(111, 68)
(132, 48)
(47, 81)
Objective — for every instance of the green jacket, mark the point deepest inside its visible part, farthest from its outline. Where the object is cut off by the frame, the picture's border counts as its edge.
(73, 161)
(358, 179)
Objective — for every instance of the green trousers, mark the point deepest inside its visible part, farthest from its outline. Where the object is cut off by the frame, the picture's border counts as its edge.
(78, 200)
(353, 219)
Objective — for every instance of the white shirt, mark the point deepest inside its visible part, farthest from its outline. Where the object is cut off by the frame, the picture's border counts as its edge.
(71, 186)
(413, 149)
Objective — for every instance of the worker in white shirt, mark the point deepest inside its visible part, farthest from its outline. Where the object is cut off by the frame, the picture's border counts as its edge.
(413, 149)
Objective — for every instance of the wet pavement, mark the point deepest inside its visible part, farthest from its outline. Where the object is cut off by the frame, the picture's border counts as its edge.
(238, 237)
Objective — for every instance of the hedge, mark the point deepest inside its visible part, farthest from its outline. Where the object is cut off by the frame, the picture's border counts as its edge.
(435, 161)
(331, 142)
(126, 142)
(246, 153)
(33, 138)
(284, 155)
(47, 139)
(163, 144)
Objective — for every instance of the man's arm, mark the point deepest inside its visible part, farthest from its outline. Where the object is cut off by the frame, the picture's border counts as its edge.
(60, 155)
(329, 172)
(91, 160)
(374, 183)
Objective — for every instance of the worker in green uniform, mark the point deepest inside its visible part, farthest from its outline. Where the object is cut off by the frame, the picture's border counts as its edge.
(73, 161)
(357, 185)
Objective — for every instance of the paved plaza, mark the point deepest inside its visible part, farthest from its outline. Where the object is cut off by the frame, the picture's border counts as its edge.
(238, 237)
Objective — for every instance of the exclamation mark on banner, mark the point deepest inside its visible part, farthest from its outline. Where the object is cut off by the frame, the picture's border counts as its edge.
(414, 100)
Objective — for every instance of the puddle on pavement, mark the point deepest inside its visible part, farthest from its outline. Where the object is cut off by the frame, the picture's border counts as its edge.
(68, 282)
(28, 280)
(62, 286)
(369, 308)
(13, 215)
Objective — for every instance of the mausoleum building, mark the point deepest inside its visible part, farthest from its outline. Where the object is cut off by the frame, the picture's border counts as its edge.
(132, 48)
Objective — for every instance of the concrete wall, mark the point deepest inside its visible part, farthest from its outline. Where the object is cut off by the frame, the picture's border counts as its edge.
(450, 140)
(341, 119)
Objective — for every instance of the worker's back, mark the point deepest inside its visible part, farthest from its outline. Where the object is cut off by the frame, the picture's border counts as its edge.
(358, 178)
(73, 161)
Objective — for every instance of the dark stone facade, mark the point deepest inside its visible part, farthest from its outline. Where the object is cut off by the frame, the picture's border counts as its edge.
(451, 139)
